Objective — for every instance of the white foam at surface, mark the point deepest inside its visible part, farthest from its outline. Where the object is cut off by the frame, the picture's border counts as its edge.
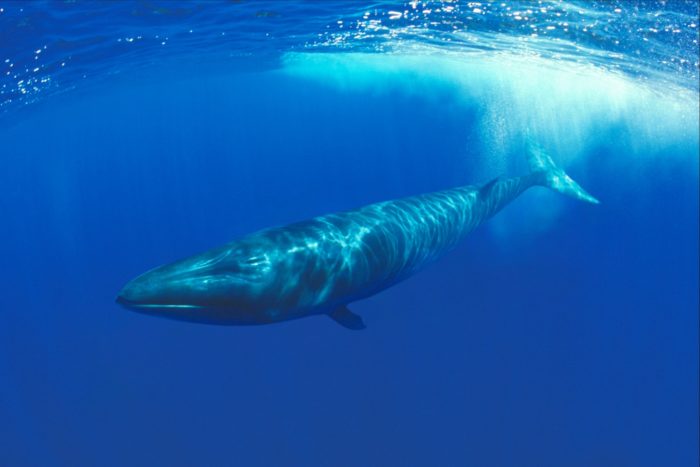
(563, 103)
(571, 108)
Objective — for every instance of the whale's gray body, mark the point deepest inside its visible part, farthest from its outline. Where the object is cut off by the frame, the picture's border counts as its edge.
(320, 265)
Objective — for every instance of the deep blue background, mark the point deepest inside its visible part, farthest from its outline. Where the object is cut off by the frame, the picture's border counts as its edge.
(575, 345)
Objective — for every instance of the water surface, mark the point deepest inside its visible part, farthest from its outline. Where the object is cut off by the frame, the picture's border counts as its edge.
(560, 333)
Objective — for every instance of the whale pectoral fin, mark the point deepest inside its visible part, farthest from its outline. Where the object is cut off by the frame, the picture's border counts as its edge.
(346, 318)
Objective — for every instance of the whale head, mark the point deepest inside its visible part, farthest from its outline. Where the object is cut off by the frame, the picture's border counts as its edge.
(222, 286)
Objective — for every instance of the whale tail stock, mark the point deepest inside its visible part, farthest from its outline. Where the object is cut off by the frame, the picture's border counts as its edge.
(549, 175)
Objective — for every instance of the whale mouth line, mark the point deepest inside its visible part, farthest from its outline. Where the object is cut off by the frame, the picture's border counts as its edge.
(132, 304)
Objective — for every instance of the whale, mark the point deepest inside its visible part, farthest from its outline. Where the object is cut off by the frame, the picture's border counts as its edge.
(321, 265)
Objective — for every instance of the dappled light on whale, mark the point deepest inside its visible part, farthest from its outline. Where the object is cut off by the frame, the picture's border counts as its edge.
(320, 265)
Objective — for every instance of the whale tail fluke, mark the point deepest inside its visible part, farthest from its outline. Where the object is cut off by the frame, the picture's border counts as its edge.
(553, 177)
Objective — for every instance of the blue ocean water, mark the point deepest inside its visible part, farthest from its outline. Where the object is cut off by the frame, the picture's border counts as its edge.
(559, 333)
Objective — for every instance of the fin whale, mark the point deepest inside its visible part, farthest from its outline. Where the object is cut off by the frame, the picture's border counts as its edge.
(319, 266)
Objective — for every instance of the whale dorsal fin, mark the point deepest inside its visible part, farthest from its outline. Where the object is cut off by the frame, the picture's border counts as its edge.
(485, 190)
(346, 318)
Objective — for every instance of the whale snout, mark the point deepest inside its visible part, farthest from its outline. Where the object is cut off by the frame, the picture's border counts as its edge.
(123, 300)
(178, 286)
(193, 298)
(154, 288)
(135, 294)
(204, 288)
